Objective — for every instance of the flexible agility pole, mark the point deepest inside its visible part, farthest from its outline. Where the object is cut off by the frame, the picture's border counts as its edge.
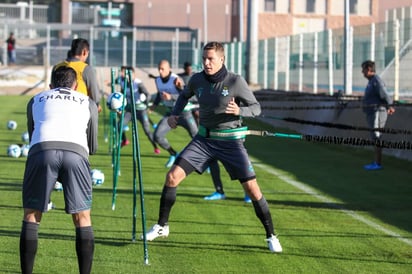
(117, 147)
(112, 119)
(137, 170)
(105, 122)
(113, 133)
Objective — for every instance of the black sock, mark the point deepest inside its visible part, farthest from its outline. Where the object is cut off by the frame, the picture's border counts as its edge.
(84, 248)
(215, 172)
(167, 200)
(28, 246)
(263, 213)
(171, 151)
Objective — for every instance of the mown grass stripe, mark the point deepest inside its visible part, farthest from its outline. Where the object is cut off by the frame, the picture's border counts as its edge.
(308, 190)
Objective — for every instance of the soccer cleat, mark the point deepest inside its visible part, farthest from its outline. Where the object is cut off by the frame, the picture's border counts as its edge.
(215, 196)
(58, 186)
(247, 199)
(171, 161)
(157, 151)
(157, 231)
(274, 244)
(50, 206)
(124, 143)
(373, 166)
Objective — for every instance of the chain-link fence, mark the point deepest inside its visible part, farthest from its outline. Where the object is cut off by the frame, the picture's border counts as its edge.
(314, 62)
(310, 62)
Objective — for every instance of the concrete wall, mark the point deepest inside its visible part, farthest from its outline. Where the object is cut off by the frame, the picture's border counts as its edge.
(278, 105)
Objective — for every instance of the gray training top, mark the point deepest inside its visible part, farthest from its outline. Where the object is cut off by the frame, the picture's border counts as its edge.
(376, 95)
(213, 99)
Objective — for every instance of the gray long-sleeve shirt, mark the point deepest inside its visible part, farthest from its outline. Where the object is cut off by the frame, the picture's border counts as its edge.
(213, 99)
(376, 95)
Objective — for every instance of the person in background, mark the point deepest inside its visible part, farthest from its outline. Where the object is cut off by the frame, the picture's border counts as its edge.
(167, 84)
(11, 49)
(141, 95)
(377, 106)
(86, 76)
(224, 98)
(62, 126)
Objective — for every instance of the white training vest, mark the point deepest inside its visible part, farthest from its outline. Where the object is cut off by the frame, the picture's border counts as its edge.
(62, 115)
(168, 87)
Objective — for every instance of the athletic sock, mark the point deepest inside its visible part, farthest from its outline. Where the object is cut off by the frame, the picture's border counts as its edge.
(167, 200)
(28, 246)
(171, 151)
(263, 213)
(84, 248)
(215, 172)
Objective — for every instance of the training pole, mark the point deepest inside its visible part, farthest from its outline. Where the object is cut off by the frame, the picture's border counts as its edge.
(137, 170)
(112, 119)
(113, 133)
(117, 146)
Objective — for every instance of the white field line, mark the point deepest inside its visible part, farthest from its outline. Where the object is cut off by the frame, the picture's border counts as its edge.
(308, 190)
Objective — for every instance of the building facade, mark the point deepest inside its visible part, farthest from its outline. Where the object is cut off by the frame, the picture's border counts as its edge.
(222, 20)
(290, 17)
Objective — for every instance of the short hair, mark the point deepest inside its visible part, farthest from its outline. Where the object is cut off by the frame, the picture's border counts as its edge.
(216, 46)
(131, 68)
(187, 64)
(64, 77)
(163, 61)
(78, 45)
(369, 64)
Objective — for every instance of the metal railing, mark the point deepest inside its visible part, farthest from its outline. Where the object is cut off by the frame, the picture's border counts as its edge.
(309, 62)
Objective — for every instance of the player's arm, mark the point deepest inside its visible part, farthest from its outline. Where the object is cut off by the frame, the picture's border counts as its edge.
(90, 79)
(246, 100)
(30, 122)
(92, 128)
(384, 95)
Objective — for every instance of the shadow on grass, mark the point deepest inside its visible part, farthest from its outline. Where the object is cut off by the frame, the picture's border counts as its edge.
(337, 171)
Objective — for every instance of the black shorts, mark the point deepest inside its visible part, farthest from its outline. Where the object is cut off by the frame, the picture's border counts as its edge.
(231, 153)
(46, 167)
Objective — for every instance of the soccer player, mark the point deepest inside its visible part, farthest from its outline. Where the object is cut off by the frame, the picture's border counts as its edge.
(86, 76)
(62, 126)
(376, 105)
(224, 98)
(219, 193)
(141, 95)
(167, 93)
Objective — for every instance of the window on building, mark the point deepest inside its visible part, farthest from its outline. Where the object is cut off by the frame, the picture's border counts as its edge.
(310, 6)
(270, 5)
(353, 6)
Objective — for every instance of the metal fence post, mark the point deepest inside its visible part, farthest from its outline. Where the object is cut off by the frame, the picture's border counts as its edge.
(315, 62)
(330, 60)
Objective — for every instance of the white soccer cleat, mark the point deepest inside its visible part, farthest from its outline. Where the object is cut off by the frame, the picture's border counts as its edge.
(58, 186)
(50, 206)
(274, 244)
(157, 231)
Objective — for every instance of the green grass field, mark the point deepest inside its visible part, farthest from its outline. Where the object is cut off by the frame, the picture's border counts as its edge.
(330, 214)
